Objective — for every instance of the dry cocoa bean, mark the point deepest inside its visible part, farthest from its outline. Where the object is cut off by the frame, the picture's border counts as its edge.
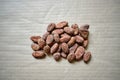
(85, 43)
(63, 55)
(84, 33)
(45, 35)
(46, 49)
(69, 30)
(49, 39)
(62, 24)
(71, 57)
(79, 52)
(56, 56)
(54, 48)
(71, 41)
(35, 38)
(73, 48)
(65, 48)
(64, 38)
(79, 39)
(35, 46)
(57, 31)
(41, 43)
(38, 54)
(87, 57)
(50, 27)
(76, 29)
(56, 38)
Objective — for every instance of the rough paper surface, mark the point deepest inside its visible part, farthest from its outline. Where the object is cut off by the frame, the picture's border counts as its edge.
(19, 19)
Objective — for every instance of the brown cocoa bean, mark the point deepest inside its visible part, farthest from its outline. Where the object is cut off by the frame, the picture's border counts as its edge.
(54, 48)
(35, 38)
(71, 41)
(46, 49)
(57, 31)
(76, 29)
(73, 48)
(65, 48)
(45, 35)
(71, 57)
(79, 52)
(79, 39)
(87, 57)
(41, 43)
(56, 38)
(62, 24)
(49, 39)
(64, 38)
(84, 33)
(35, 46)
(50, 27)
(56, 56)
(38, 54)
(63, 55)
(85, 43)
(69, 30)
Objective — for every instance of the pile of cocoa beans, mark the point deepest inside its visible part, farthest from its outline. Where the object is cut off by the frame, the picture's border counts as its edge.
(60, 40)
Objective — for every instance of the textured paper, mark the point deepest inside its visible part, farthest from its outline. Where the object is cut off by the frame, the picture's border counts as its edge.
(19, 19)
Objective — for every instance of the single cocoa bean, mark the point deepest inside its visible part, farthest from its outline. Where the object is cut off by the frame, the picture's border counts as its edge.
(64, 38)
(63, 55)
(56, 38)
(49, 39)
(73, 48)
(69, 30)
(50, 27)
(56, 56)
(45, 35)
(79, 39)
(79, 52)
(76, 29)
(62, 24)
(54, 48)
(38, 54)
(35, 46)
(35, 38)
(57, 31)
(65, 48)
(87, 57)
(41, 43)
(71, 41)
(71, 57)
(46, 49)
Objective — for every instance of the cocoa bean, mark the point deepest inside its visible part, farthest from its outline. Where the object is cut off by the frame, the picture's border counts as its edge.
(38, 54)
(62, 24)
(79, 52)
(50, 27)
(54, 48)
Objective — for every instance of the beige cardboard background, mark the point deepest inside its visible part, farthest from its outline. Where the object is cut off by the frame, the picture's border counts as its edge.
(19, 19)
